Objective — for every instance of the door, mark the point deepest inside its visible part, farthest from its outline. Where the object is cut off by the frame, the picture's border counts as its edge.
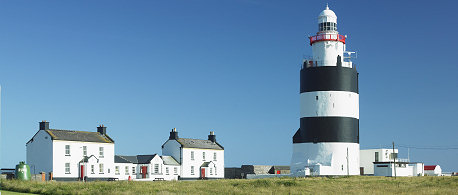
(82, 172)
(144, 171)
(278, 172)
(202, 173)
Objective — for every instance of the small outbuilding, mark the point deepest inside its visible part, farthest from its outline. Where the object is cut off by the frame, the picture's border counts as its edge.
(433, 170)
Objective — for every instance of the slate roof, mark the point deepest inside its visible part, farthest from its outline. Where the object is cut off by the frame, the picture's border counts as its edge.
(280, 167)
(139, 159)
(199, 143)
(83, 136)
(168, 160)
(205, 164)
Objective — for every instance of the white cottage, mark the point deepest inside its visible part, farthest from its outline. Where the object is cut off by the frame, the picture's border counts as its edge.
(433, 170)
(71, 155)
(198, 159)
(146, 167)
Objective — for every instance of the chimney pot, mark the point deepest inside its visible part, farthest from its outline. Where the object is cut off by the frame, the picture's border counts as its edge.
(212, 136)
(173, 134)
(102, 129)
(44, 125)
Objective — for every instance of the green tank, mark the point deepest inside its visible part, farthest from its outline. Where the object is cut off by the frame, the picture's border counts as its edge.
(23, 171)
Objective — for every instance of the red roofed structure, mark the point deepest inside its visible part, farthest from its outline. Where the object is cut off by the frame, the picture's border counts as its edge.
(433, 170)
(430, 167)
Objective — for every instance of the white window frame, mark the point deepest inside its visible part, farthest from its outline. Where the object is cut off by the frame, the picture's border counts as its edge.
(203, 156)
(133, 170)
(92, 169)
(211, 171)
(67, 168)
(192, 170)
(101, 152)
(214, 156)
(192, 155)
(156, 168)
(116, 170)
(175, 170)
(101, 169)
(84, 150)
(166, 170)
(126, 169)
(67, 150)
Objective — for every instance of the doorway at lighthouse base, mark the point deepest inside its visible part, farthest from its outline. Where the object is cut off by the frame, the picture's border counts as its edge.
(329, 158)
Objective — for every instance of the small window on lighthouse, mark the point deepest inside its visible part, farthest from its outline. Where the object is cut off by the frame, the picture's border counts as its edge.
(316, 97)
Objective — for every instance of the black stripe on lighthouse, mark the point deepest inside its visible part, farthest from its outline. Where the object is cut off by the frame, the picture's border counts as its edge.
(327, 129)
(329, 78)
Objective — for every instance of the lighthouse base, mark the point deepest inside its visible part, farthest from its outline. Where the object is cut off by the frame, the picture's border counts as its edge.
(325, 158)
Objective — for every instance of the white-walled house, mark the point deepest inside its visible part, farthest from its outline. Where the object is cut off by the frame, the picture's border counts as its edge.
(433, 170)
(403, 169)
(146, 167)
(198, 159)
(369, 156)
(71, 155)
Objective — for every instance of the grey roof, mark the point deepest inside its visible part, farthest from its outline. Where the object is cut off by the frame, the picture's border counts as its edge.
(205, 164)
(84, 136)
(168, 160)
(281, 167)
(139, 159)
(199, 143)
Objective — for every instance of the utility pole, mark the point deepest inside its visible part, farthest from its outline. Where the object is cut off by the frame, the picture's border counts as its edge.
(394, 161)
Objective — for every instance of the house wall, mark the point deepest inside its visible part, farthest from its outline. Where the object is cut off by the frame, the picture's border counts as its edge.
(76, 155)
(198, 161)
(367, 157)
(39, 153)
(123, 175)
(386, 169)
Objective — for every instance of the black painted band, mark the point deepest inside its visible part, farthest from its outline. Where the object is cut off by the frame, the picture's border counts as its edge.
(329, 78)
(327, 129)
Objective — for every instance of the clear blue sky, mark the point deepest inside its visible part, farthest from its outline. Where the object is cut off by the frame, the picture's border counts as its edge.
(144, 67)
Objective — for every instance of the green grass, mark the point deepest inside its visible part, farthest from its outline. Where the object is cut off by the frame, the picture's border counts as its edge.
(315, 185)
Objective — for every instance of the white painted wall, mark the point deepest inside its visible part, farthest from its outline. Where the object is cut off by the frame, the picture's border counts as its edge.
(76, 155)
(123, 175)
(326, 158)
(386, 169)
(39, 153)
(367, 157)
(198, 161)
(329, 103)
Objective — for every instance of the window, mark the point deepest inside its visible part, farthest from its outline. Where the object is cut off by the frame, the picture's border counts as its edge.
(166, 170)
(100, 152)
(67, 168)
(67, 150)
(175, 170)
(84, 150)
(192, 170)
(316, 97)
(192, 155)
(215, 171)
(133, 170)
(211, 171)
(126, 169)
(100, 168)
(376, 156)
(108, 171)
(214, 156)
(156, 168)
(393, 155)
(92, 169)
(203, 156)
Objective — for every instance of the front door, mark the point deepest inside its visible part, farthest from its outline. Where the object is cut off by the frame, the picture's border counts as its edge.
(144, 171)
(82, 172)
(202, 173)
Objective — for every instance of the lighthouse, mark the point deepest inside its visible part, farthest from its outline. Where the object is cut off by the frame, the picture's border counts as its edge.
(327, 142)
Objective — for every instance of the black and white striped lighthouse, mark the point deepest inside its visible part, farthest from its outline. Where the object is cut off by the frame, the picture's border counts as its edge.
(327, 142)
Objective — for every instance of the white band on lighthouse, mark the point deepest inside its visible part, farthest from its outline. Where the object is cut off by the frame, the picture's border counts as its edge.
(330, 103)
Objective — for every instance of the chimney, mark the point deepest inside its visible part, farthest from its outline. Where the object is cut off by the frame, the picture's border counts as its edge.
(44, 125)
(173, 134)
(102, 129)
(212, 136)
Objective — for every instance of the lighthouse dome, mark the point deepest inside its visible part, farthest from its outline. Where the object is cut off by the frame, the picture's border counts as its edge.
(327, 15)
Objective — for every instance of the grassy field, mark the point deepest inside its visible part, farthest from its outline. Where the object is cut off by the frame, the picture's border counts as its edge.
(316, 185)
